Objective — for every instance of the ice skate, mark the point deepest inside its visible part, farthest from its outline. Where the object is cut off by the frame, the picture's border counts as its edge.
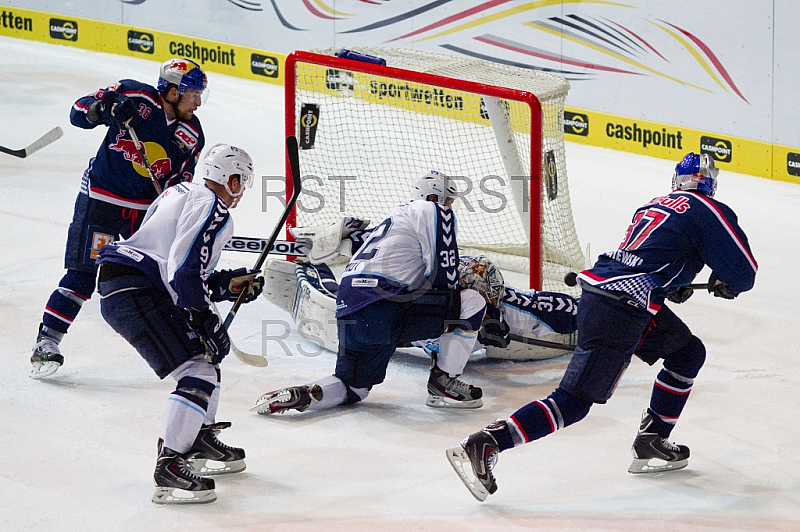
(447, 391)
(177, 484)
(209, 456)
(474, 459)
(46, 358)
(294, 398)
(649, 446)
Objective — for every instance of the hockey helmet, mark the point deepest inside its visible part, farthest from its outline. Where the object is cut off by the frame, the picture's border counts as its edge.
(435, 183)
(184, 74)
(696, 172)
(479, 273)
(222, 161)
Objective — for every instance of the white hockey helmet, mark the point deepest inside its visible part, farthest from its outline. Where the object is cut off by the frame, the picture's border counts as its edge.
(222, 161)
(435, 183)
(479, 273)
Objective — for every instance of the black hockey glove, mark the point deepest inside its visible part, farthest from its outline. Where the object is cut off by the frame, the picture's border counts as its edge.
(114, 109)
(212, 332)
(494, 331)
(225, 285)
(679, 295)
(719, 289)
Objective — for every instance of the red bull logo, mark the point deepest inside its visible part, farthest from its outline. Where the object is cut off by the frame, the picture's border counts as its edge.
(160, 163)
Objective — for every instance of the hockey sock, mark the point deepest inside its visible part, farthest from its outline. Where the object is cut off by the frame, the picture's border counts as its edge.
(188, 404)
(454, 350)
(213, 402)
(66, 301)
(670, 393)
(540, 418)
(674, 383)
(334, 392)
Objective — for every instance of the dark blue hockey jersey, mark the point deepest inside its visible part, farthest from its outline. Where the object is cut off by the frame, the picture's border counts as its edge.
(669, 241)
(117, 174)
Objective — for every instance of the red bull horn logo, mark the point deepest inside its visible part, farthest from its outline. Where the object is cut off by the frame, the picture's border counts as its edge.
(160, 163)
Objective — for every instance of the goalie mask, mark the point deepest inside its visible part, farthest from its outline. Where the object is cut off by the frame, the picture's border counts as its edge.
(222, 161)
(696, 172)
(478, 273)
(433, 183)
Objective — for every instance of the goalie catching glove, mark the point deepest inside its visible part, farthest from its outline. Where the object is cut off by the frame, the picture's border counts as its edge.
(226, 285)
(330, 241)
(212, 333)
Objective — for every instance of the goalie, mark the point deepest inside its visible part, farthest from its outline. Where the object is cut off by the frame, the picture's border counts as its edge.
(518, 325)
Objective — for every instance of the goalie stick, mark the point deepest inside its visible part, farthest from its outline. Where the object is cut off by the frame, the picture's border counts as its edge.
(294, 164)
(258, 245)
(541, 343)
(46, 139)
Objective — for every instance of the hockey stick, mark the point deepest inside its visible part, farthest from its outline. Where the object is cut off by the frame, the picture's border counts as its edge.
(140, 149)
(258, 361)
(294, 163)
(571, 279)
(48, 138)
(541, 343)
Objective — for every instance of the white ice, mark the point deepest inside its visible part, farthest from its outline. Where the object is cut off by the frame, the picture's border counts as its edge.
(78, 449)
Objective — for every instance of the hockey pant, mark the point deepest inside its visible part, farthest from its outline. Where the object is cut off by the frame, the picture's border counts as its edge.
(611, 331)
(146, 317)
(94, 224)
(369, 336)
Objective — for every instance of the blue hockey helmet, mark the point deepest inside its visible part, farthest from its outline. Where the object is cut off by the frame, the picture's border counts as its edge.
(184, 74)
(696, 172)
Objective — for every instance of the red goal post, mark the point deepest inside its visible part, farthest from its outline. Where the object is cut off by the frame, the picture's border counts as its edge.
(366, 130)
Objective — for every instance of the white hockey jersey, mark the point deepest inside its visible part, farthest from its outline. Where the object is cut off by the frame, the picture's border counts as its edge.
(414, 248)
(179, 242)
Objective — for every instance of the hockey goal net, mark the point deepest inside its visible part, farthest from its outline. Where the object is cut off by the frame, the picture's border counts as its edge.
(367, 130)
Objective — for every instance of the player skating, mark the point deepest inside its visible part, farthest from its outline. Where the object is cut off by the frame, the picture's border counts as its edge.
(622, 311)
(116, 188)
(156, 288)
(401, 286)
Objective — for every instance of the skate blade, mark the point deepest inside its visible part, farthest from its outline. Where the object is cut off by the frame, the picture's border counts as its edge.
(203, 467)
(643, 465)
(43, 369)
(463, 468)
(437, 401)
(179, 496)
(264, 402)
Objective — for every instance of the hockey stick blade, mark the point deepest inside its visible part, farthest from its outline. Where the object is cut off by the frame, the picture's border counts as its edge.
(248, 358)
(293, 154)
(46, 139)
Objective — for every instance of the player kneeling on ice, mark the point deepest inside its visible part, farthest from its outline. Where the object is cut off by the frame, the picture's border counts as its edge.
(622, 311)
(156, 290)
(401, 286)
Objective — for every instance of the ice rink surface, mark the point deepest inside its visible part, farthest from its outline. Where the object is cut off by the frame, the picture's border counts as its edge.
(78, 449)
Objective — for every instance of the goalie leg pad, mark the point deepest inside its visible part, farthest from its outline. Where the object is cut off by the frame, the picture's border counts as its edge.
(280, 283)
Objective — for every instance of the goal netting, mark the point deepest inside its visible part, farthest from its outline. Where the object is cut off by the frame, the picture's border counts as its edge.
(367, 130)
